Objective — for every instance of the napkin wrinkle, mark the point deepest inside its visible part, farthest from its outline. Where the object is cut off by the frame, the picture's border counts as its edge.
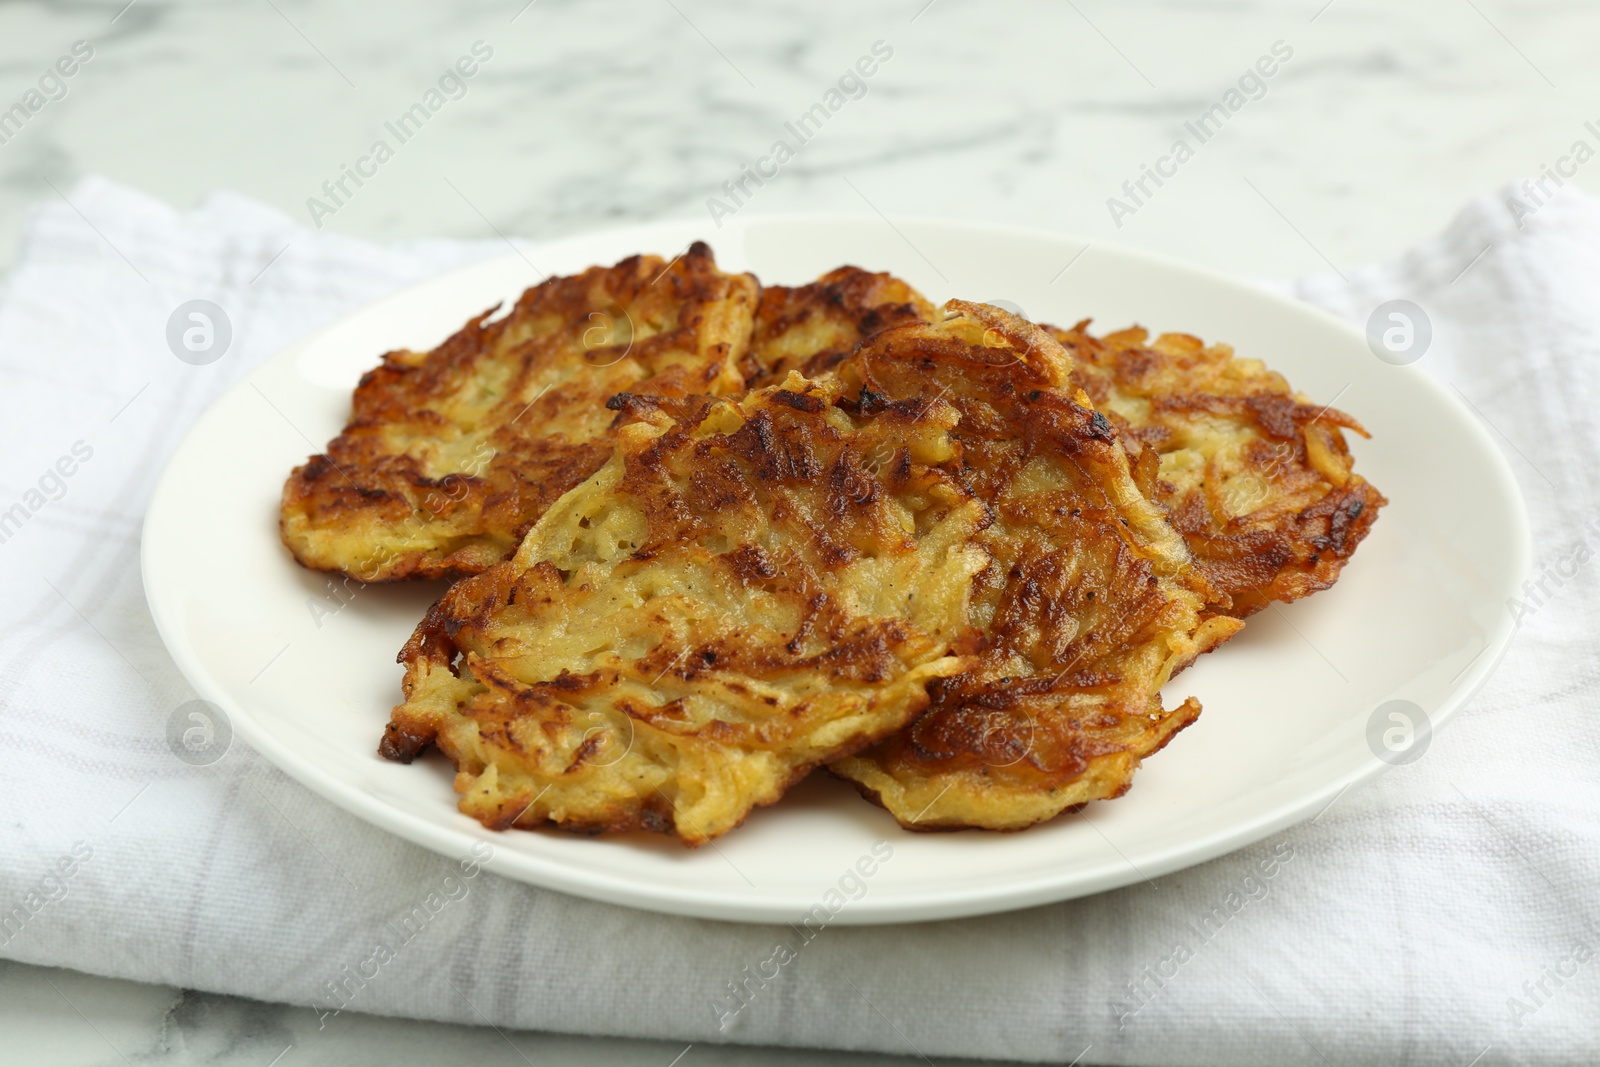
(1405, 921)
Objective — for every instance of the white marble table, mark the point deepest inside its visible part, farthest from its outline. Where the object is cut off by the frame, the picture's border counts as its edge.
(1374, 126)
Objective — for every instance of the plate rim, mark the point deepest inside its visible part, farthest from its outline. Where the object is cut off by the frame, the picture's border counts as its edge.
(730, 906)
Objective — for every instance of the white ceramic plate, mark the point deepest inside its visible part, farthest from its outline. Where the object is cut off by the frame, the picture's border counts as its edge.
(1419, 615)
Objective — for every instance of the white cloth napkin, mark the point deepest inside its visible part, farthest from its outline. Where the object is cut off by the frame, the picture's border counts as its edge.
(1449, 908)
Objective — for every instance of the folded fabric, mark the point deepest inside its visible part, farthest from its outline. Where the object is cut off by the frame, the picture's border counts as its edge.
(1446, 909)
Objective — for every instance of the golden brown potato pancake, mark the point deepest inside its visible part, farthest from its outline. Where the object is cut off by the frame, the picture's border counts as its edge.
(737, 596)
(450, 455)
(1256, 477)
(1087, 606)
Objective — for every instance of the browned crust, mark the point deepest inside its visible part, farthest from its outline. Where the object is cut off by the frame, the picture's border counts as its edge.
(1302, 510)
(810, 328)
(1083, 752)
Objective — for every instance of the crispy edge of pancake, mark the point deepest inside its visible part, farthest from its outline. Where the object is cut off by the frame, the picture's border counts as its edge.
(835, 615)
(1259, 480)
(811, 327)
(1043, 722)
(450, 455)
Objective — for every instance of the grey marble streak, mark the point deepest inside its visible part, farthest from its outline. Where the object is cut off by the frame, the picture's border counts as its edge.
(1022, 112)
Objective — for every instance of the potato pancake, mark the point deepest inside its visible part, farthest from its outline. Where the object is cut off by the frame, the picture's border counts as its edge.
(1257, 478)
(1087, 606)
(738, 595)
(450, 455)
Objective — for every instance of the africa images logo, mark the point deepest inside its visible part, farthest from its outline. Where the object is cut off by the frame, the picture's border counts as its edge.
(1252, 85)
(52, 86)
(453, 84)
(851, 85)
(851, 885)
